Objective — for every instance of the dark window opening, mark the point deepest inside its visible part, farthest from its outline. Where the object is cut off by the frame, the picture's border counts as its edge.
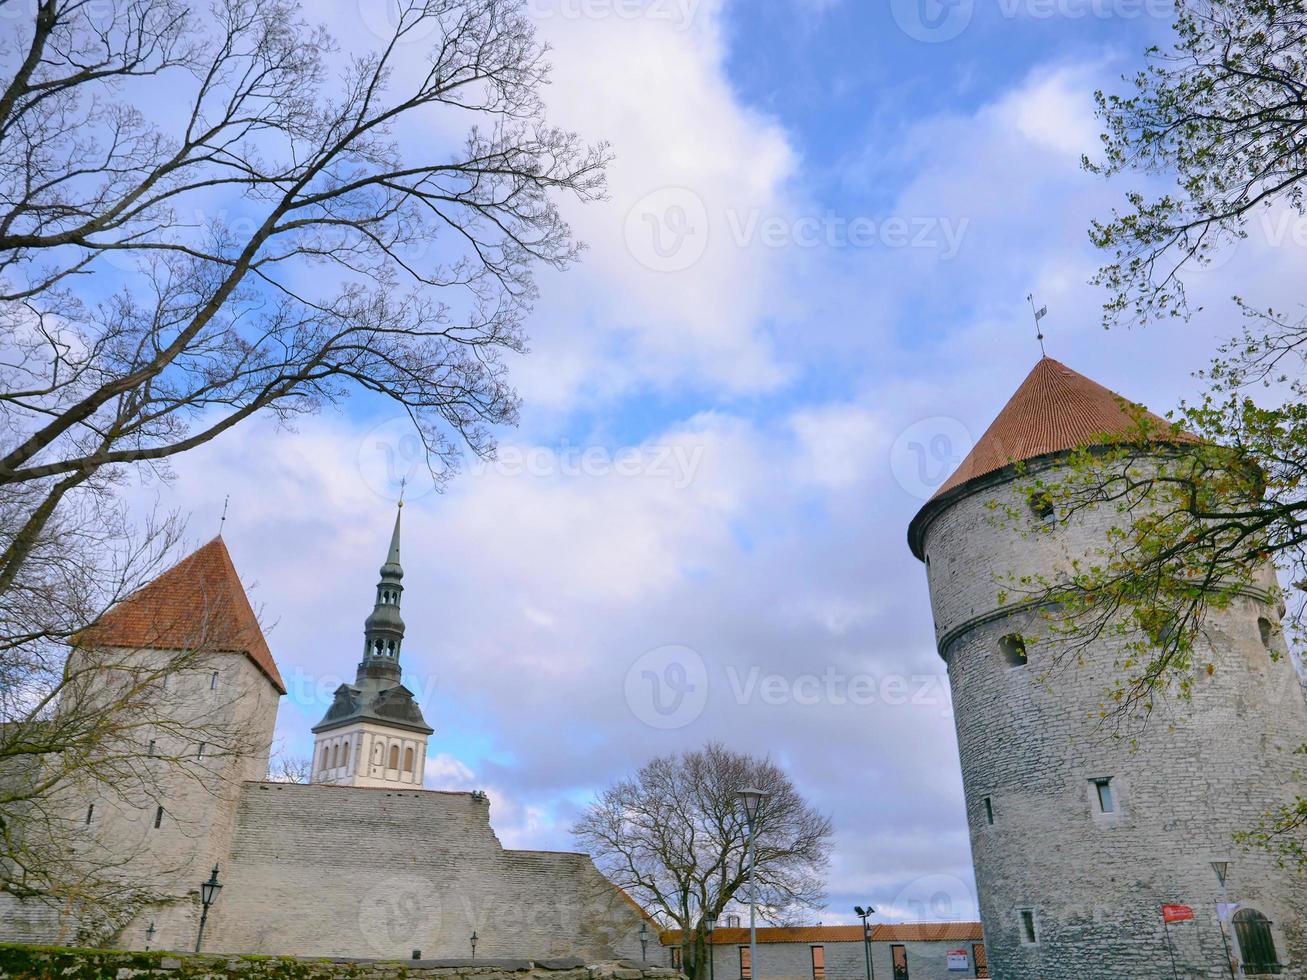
(899, 958)
(1266, 630)
(1013, 648)
(1106, 800)
(213, 681)
(1041, 505)
(199, 752)
(1028, 934)
(746, 964)
(90, 812)
(158, 817)
(989, 811)
(818, 963)
(1256, 944)
(150, 750)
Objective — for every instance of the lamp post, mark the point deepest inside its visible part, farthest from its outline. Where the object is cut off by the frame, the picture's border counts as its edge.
(644, 940)
(473, 940)
(1221, 868)
(864, 915)
(708, 926)
(208, 895)
(751, 798)
(149, 936)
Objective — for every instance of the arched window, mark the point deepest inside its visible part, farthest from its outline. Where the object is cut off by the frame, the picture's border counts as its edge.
(335, 756)
(1256, 943)
(408, 759)
(1013, 648)
(394, 757)
(1265, 630)
(344, 755)
(326, 756)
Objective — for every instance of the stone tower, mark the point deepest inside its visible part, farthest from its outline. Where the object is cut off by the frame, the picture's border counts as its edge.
(374, 733)
(1077, 840)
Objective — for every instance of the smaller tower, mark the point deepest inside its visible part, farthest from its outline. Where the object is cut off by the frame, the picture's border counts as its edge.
(374, 733)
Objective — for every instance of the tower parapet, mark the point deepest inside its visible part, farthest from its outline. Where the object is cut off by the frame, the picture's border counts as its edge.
(1078, 838)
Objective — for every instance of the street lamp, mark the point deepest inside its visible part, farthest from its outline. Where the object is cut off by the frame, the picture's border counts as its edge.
(708, 926)
(473, 940)
(149, 936)
(864, 915)
(208, 895)
(644, 940)
(751, 798)
(1221, 868)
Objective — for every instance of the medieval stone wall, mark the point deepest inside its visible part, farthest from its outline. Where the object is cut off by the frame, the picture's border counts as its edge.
(327, 870)
(39, 963)
(1031, 743)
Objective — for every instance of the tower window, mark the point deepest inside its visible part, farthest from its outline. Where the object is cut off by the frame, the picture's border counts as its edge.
(1029, 935)
(199, 751)
(989, 811)
(326, 756)
(90, 812)
(213, 681)
(1265, 630)
(394, 757)
(1041, 505)
(344, 755)
(1103, 792)
(158, 817)
(408, 760)
(150, 750)
(1013, 648)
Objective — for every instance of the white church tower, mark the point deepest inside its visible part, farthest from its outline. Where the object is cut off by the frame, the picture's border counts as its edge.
(374, 733)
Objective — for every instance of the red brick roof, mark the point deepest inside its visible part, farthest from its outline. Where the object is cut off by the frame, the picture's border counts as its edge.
(198, 604)
(1054, 410)
(944, 932)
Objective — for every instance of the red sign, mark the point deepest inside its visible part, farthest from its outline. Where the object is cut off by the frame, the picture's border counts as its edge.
(1177, 913)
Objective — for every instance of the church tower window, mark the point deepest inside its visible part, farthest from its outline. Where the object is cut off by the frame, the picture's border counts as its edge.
(394, 757)
(408, 760)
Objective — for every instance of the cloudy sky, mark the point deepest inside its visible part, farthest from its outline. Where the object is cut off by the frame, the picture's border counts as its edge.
(805, 297)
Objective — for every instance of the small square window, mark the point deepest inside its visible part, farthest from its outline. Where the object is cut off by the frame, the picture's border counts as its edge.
(1029, 935)
(989, 811)
(1103, 792)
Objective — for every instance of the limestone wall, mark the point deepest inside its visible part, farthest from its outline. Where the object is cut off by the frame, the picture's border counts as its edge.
(1031, 743)
(328, 870)
(38, 963)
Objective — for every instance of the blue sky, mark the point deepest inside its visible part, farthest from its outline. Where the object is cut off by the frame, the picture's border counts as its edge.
(804, 298)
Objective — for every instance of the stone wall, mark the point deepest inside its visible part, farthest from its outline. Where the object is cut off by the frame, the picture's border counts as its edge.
(329, 870)
(1031, 743)
(38, 963)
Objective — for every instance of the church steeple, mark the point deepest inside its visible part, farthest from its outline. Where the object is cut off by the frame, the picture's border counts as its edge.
(383, 630)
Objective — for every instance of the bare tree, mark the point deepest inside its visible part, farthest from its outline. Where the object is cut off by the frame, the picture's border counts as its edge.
(208, 212)
(674, 838)
(287, 768)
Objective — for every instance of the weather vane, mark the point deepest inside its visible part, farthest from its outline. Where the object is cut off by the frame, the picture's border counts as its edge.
(222, 524)
(403, 483)
(1039, 315)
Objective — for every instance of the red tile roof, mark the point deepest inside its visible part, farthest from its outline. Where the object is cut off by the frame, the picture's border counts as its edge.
(199, 604)
(944, 932)
(1054, 410)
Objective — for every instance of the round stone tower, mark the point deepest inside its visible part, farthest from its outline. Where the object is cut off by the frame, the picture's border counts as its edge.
(1079, 839)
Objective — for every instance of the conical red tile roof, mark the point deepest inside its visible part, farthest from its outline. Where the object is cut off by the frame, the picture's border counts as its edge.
(1054, 410)
(198, 604)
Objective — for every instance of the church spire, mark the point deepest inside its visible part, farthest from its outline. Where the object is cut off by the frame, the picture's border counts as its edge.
(383, 631)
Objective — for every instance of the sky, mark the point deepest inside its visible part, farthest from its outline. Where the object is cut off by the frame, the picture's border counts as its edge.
(804, 298)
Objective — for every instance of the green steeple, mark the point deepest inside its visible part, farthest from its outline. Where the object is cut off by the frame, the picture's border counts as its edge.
(383, 631)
